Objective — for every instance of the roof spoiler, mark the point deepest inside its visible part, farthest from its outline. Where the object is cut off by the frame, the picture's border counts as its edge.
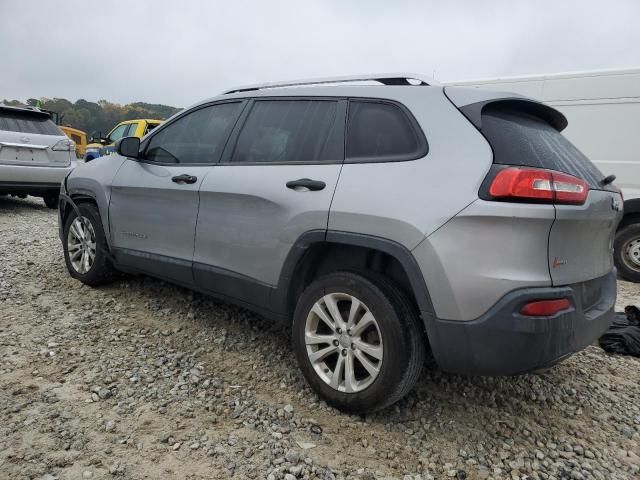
(472, 105)
(28, 110)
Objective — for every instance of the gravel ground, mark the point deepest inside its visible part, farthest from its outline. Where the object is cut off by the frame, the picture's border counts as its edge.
(142, 379)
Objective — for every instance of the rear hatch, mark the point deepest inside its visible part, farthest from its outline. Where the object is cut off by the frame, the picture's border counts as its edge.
(30, 138)
(525, 136)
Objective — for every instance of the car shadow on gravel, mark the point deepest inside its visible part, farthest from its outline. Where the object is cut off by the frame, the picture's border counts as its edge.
(21, 205)
(438, 394)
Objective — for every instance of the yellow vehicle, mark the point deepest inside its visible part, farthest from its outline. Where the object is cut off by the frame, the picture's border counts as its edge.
(77, 136)
(100, 145)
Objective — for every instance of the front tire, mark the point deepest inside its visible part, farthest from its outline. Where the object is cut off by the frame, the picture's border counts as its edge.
(358, 341)
(626, 252)
(85, 247)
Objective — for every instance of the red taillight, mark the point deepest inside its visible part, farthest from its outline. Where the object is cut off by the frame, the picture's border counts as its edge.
(569, 189)
(548, 186)
(545, 308)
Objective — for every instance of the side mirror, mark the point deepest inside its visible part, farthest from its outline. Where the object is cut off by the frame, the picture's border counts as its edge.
(128, 147)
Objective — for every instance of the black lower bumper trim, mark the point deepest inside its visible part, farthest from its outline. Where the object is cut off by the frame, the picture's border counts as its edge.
(504, 342)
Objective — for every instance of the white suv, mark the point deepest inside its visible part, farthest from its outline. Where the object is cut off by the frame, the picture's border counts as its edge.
(35, 155)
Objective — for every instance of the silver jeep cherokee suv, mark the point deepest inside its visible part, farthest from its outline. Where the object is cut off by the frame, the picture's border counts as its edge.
(378, 219)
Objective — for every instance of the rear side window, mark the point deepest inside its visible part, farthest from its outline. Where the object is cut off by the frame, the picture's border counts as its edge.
(197, 137)
(278, 131)
(16, 121)
(381, 131)
(518, 138)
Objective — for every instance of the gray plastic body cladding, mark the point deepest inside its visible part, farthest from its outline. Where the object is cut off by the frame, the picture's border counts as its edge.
(94, 180)
(404, 201)
(581, 239)
(504, 342)
(487, 250)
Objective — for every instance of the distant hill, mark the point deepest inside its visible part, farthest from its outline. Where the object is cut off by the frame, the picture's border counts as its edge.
(101, 116)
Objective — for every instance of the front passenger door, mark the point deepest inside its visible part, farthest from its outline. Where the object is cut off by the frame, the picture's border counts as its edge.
(154, 200)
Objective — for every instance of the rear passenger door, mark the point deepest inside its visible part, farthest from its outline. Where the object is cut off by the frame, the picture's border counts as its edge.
(275, 182)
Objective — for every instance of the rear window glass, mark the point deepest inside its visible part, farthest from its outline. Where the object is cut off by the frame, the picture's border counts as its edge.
(289, 131)
(518, 138)
(24, 122)
(379, 131)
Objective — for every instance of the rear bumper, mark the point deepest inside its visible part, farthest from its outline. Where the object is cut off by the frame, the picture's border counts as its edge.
(504, 342)
(32, 180)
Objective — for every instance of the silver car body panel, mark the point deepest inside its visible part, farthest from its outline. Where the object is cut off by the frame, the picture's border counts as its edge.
(404, 201)
(150, 214)
(250, 231)
(33, 150)
(34, 175)
(581, 239)
(94, 180)
(487, 250)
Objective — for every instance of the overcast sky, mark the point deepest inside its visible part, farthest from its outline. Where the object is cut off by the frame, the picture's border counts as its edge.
(179, 51)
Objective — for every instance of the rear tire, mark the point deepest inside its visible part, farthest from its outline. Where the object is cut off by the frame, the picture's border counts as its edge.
(99, 270)
(395, 336)
(626, 252)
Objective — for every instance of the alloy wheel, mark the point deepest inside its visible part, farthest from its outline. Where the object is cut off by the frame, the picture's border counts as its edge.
(343, 342)
(81, 245)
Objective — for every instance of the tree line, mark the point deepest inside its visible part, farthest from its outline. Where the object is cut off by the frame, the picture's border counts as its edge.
(101, 116)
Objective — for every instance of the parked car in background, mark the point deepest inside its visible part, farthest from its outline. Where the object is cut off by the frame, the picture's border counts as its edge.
(603, 109)
(100, 146)
(35, 156)
(378, 220)
(78, 136)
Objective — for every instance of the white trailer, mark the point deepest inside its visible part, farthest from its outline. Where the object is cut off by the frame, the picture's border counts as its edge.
(603, 110)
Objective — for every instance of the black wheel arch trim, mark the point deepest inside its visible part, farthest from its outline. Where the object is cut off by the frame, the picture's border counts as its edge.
(280, 295)
(71, 197)
(632, 206)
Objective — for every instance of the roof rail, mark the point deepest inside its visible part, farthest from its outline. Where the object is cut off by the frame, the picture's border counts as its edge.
(384, 78)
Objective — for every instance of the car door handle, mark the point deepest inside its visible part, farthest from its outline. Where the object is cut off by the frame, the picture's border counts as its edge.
(307, 183)
(184, 178)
